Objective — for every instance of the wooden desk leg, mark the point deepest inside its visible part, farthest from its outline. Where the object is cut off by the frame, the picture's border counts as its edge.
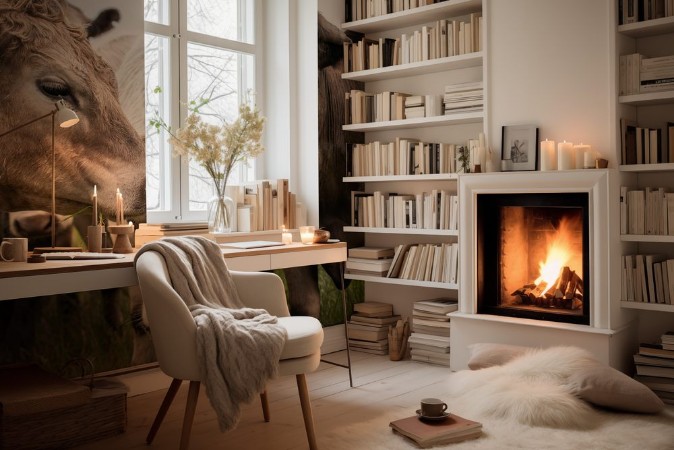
(346, 329)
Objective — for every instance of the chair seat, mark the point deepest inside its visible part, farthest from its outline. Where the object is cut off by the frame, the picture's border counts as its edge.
(305, 336)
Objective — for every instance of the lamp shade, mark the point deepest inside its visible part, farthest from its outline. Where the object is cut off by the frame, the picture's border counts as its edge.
(65, 116)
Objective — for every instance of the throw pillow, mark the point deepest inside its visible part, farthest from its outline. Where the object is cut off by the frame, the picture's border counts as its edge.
(605, 386)
(487, 354)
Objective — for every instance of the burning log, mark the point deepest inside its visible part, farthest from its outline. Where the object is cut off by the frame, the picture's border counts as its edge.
(566, 292)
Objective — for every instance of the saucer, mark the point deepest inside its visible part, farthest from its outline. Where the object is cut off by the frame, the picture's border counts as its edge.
(444, 416)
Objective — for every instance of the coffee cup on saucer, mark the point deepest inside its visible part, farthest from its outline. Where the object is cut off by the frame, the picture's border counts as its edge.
(433, 408)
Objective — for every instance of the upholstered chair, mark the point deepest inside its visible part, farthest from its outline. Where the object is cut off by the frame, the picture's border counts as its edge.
(174, 336)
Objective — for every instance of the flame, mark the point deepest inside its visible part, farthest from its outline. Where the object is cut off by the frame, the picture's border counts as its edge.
(558, 255)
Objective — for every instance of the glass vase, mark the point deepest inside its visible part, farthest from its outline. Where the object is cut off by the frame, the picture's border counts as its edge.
(220, 210)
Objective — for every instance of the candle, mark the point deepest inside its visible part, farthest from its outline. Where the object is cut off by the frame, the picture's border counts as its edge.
(565, 160)
(119, 208)
(286, 237)
(307, 234)
(589, 160)
(548, 155)
(579, 151)
(94, 208)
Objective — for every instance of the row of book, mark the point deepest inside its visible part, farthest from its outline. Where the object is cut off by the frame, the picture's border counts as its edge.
(434, 210)
(417, 106)
(430, 338)
(372, 261)
(647, 211)
(655, 367)
(631, 11)
(426, 262)
(368, 327)
(642, 145)
(446, 38)
(463, 97)
(648, 279)
(639, 74)
(365, 9)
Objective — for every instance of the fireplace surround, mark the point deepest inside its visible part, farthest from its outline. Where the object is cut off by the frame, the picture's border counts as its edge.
(605, 329)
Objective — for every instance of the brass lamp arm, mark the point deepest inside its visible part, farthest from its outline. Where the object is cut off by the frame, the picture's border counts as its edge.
(26, 124)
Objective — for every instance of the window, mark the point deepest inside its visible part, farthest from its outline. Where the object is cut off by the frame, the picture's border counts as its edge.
(196, 51)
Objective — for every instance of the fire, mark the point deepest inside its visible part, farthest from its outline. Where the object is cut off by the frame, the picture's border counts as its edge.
(559, 254)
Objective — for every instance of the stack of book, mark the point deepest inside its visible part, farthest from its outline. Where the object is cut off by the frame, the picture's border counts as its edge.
(648, 279)
(415, 106)
(368, 327)
(655, 367)
(639, 74)
(428, 434)
(374, 261)
(463, 97)
(429, 341)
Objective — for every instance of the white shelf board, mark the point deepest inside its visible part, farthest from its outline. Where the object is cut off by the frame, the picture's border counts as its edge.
(647, 238)
(417, 68)
(414, 16)
(436, 121)
(415, 231)
(400, 281)
(648, 27)
(662, 167)
(650, 98)
(383, 178)
(648, 306)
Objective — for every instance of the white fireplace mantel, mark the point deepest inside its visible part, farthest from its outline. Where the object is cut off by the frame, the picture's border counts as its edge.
(608, 327)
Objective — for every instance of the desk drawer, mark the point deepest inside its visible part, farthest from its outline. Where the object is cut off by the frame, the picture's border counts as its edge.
(249, 263)
(307, 258)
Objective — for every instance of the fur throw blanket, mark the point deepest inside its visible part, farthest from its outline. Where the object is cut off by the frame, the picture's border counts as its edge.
(239, 348)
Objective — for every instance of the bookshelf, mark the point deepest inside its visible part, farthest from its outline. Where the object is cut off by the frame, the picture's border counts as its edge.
(426, 77)
(652, 39)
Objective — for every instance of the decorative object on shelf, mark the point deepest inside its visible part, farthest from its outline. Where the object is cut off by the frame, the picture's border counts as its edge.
(286, 237)
(321, 236)
(66, 118)
(122, 241)
(397, 339)
(601, 163)
(519, 147)
(307, 234)
(565, 156)
(218, 148)
(548, 156)
(589, 160)
(463, 156)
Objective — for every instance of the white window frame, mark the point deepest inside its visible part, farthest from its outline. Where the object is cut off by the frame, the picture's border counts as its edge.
(179, 37)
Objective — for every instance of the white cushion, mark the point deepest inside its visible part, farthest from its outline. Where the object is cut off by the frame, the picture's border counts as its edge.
(305, 336)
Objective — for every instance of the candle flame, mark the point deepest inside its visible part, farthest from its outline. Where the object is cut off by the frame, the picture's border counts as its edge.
(558, 255)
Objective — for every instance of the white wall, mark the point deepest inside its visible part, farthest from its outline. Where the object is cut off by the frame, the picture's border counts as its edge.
(548, 65)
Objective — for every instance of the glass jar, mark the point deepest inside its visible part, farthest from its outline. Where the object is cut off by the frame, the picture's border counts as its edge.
(220, 210)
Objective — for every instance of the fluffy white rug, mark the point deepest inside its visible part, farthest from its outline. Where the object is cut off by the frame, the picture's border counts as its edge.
(526, 404)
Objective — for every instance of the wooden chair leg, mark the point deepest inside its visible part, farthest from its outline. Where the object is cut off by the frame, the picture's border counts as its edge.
(305, 402)
(265, 405)
(166, 403)
(190, 408)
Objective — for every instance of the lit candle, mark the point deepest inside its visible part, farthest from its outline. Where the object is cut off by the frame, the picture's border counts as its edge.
(579, 151)
(286, 237)
(119, 207)
(307, 234)
(589, 160)
(565, 160)
(548, 155)
(94, 207)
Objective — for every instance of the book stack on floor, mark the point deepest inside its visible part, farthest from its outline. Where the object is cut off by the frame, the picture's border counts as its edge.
(428, 434)
(429, 341)
(655, 367)
(368, 327)
(374, 261)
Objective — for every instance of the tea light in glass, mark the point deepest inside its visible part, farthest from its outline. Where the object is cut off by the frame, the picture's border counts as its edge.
(286, 237)
(307, 234)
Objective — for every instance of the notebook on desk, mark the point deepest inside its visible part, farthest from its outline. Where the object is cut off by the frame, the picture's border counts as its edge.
(251, 244)
(80, 255)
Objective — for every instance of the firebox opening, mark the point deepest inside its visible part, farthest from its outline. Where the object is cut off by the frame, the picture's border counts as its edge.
(533, 259)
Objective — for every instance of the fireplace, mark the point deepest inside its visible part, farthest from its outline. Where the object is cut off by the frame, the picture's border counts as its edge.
(532, 256)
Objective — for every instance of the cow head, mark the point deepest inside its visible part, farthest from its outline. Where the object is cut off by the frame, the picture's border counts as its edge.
(45, 57)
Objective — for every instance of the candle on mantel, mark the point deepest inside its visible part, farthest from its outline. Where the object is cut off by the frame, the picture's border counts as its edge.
(286, 237)
(589, 160)
(548, 155)
(580, 150)
(94, 208)
(565, 159)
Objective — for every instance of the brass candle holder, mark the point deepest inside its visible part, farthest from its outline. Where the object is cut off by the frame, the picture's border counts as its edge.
(122, 242)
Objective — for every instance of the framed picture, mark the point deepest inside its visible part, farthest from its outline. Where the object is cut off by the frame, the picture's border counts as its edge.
(519, 148)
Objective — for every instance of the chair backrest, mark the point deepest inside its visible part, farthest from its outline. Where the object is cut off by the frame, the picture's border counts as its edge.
(171, 324)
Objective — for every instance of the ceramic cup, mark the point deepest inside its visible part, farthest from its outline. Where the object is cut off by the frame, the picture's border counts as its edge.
(432, 407)
(14, 249)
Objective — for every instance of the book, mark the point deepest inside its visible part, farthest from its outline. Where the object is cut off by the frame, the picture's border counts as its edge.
(424, 329)
(653, 361)
(373, 335)
(656, 383)
(374, 265)
(426, 434)
(371, 252)
(655, 371)
(655, 350)
(437, 305)
(374, 309)
(358, 318)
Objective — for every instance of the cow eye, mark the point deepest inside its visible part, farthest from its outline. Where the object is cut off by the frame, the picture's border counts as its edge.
(54, 88)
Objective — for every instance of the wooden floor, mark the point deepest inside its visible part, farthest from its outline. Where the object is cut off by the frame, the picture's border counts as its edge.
(381, 386)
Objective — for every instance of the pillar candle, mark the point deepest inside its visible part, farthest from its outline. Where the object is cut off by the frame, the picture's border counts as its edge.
(565, 158)
(548, 155)
(286, 237)
(94, 207)
(589, 160)
(579, 151)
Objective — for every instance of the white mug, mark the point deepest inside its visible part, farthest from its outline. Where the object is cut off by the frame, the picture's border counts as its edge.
(14, 249)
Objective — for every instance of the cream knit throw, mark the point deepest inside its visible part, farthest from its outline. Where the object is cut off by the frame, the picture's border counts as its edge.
(239, 348)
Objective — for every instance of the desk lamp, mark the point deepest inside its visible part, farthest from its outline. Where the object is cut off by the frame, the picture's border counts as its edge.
(66, 118)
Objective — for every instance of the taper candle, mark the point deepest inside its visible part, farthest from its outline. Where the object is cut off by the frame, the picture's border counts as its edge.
(94, 207)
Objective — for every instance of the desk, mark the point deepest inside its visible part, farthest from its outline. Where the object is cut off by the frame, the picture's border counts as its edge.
(23, 280)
